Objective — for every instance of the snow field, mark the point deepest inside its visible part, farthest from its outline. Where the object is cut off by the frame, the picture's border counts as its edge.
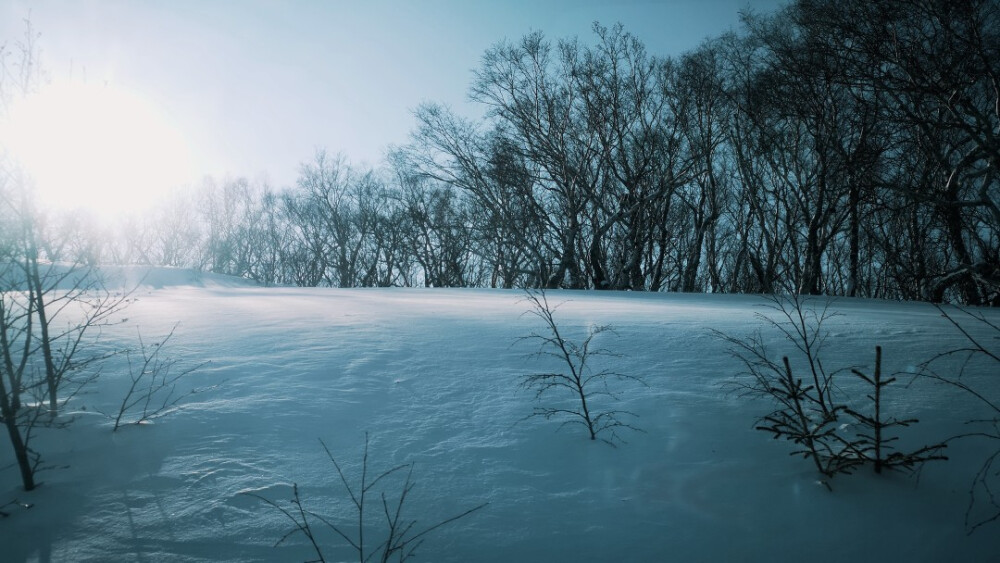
(432, 376)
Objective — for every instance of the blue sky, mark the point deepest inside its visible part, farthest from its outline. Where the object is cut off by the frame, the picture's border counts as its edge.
(257, 85)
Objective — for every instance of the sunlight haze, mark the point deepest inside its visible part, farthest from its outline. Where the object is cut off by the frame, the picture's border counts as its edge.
(96, 147)
(255, 88)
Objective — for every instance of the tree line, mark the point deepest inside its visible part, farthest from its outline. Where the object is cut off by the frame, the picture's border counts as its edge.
(834, 147)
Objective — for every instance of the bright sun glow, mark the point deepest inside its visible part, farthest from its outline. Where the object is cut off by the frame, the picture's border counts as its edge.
(96, 147)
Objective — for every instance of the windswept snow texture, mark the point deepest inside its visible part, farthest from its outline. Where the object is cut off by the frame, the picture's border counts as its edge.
(432, 376)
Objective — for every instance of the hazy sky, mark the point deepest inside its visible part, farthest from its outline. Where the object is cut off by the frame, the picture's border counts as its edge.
(255, 86)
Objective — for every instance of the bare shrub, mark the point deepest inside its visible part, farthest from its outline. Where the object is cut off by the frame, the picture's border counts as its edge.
(981, 354)
(397, 538)
(152, 391)
(577, 378)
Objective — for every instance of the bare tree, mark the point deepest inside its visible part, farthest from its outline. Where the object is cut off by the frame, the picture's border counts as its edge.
(337, 213)
(16, 316)
(518, 225)
(52, 300)
(438, 233)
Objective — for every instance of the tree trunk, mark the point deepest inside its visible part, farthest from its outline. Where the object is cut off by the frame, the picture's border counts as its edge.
(16, 441)
(600, 277)
(953, 222)
(854, 276)
(36, 293)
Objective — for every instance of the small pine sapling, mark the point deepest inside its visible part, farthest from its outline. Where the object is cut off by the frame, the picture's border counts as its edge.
(873, 444)
(800, 420)
(577, 378)
(808, 411)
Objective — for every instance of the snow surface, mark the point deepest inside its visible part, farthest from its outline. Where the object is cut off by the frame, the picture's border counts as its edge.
(433, 376)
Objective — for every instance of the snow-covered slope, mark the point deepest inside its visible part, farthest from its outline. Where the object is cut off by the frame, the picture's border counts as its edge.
(158, 277)
(117, 278)
(433, 376)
